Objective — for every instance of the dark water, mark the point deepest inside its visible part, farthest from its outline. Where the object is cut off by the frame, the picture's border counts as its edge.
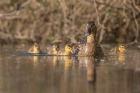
(28, 74)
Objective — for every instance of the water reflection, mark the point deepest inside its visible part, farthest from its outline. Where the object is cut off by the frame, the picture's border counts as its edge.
(35, 60)
(35, 74)
(121, 58)
(55, 61)
(90, 69)
(68, 62)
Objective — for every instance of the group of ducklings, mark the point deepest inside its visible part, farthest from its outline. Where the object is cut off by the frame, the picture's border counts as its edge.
(90, 47)
(74, 49)
(69, 49)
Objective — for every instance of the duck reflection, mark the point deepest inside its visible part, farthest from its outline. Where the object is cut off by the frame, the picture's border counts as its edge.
(121, 58)
(68, 62)
(35, 60)
(75, 59)
(90, 67)
(55, 61)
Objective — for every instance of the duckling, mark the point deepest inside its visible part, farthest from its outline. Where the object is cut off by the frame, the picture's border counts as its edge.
(121, 54)
(68, 50)
(35, 48)
(56, 50)
(121, 49)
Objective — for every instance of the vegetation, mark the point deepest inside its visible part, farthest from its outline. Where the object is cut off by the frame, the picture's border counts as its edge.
(50, 20)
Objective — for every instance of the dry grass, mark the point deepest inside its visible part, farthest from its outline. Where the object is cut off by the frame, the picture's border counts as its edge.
(117, 20)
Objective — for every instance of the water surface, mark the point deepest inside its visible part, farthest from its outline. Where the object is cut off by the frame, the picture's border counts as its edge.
(32, 74)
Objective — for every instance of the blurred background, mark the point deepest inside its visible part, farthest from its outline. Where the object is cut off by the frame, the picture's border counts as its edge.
(50, 21)
(23, 21)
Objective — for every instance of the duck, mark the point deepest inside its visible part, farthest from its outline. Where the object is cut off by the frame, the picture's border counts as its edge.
(68, 50)
(121, 53)
(91, 38)
(91, 31)
(121, 49)
(82, 48)
(35, 48)
(56, 50)
(90, 45)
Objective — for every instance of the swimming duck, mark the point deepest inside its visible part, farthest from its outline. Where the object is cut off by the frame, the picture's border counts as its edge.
(121, 49)
(121, 53)
(90, 45)
(90, 38)
(68, 50)
(82, 48)
(91, 34)
(35, 48)
(56, 50)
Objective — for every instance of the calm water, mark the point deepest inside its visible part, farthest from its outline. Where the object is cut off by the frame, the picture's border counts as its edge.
(28, 74)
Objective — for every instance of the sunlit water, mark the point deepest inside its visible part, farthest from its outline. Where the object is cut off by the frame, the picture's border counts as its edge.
(32, 74)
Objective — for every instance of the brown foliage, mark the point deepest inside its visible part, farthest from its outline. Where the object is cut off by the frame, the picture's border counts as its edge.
(118, 20)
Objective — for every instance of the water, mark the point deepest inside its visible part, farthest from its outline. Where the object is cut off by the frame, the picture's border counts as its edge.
(28, 74)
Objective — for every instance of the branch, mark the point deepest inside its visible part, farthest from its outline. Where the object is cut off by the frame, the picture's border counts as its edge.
(64, 11)
(135, 6)
(11, 15)
(32, 2)
(136, 22)
(109, 5)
